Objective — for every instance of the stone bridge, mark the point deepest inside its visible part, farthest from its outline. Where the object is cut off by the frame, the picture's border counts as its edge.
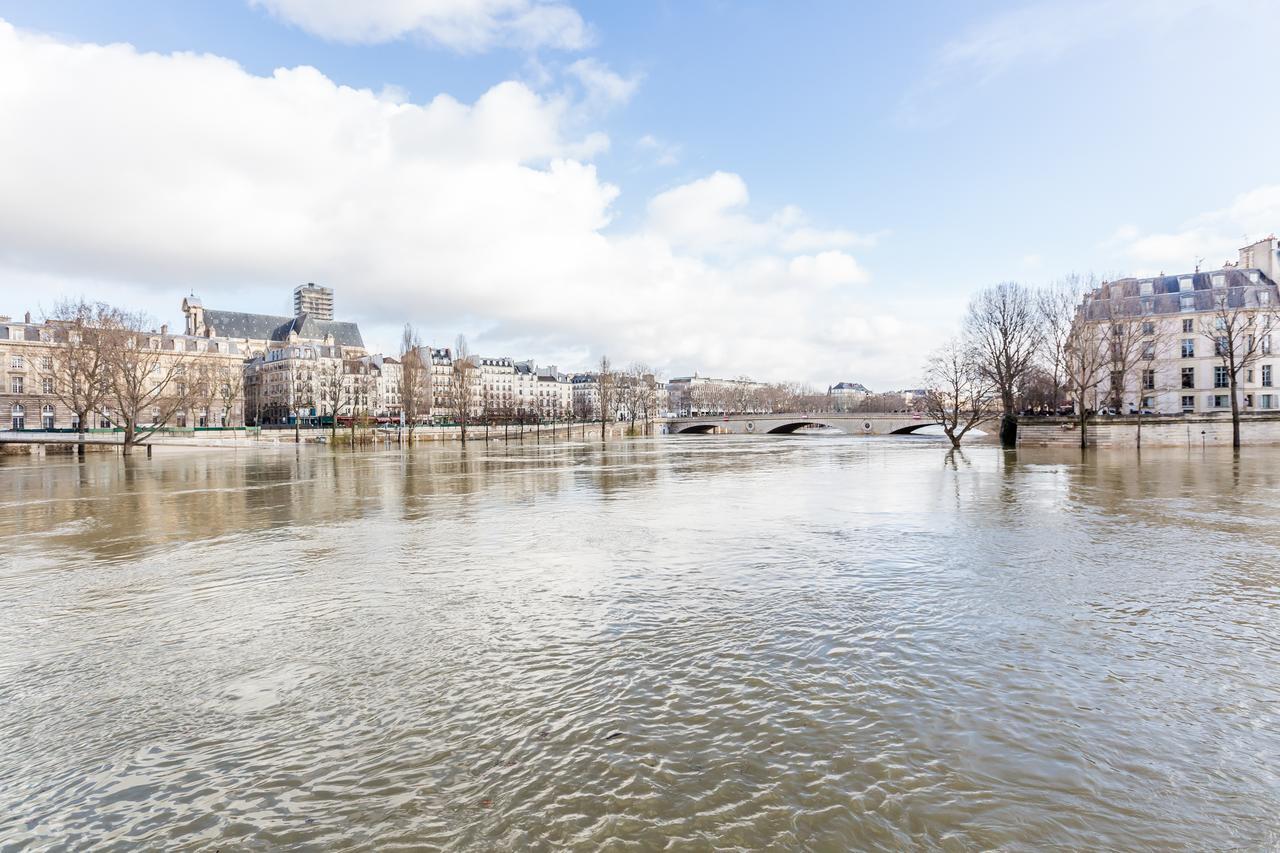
(852, 423)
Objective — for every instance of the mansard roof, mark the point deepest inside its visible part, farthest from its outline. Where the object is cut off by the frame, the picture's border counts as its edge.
(269, 327)
(1163, 294)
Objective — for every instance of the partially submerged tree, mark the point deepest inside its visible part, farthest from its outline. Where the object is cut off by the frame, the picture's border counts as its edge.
(606, 388)
(959, 393)
(461, 390)
(148, 384)
(1003, 328)
(80, 369)
(415, 378)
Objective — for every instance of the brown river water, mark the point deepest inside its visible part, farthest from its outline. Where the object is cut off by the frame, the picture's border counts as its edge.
(690, 643)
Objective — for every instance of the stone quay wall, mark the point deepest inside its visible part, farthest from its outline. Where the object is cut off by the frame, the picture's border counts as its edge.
(1190, 431)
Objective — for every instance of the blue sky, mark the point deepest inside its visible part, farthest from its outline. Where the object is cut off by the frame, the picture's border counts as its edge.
(806, 191)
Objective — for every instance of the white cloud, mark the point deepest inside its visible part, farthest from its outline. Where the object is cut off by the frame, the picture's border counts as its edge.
(462, 25)
(1212, 237)
(662, 153)
(603, 87)
(132, 174)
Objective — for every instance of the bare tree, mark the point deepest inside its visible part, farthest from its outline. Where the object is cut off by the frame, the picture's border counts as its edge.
(1240, 327)
(415, 378)
(230, 386)
(1086, 365)
(146, 380)
(959, 393)
(80, 370)
(606, 385)
(461, 393)
(1057, 305)
(333, 390)
(1003, 328)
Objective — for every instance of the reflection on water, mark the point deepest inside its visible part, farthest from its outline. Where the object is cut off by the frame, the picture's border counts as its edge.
(806, 642)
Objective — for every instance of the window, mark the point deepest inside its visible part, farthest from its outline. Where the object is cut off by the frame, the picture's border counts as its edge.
(46, 385)
(46, 363)
(46, 417)
(1145, 288)
(1188, 403)
(1264, 298)
(1219, 401)
(1188, 326)
(1184, 284)
(1148, 328)
(1266, 376)
(1264, 346)
(1248, 375)
(1219, 280)
(1248, 401)
(15, 385)
(1188, 377)
(1148, 380)
(1188, 347)
(1187, 303)
(17, 417)
(16, 363)
(1148, 403)
(1220, 346)
(1220, 376)
(1219, 323)
(1149, 350)
(1268, 401)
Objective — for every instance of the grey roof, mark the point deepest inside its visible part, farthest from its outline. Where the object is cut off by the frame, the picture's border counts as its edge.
(850, 386)
(1126, 296)
(269, 327)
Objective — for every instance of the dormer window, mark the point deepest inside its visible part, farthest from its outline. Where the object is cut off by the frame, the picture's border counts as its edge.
(1185, 284)
(1253, 276)
(1146, 288)
(1219, 280)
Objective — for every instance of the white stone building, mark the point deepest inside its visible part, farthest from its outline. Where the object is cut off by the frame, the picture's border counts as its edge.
(1179, 322)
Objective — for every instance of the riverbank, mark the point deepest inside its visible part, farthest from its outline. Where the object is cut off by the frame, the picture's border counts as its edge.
(1121, 433)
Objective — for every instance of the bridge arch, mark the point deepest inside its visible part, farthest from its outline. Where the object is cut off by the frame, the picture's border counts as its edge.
(696, 429)
(789, 428)
(910, 430)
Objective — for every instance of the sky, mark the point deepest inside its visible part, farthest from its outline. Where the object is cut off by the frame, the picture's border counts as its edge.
(788, 191)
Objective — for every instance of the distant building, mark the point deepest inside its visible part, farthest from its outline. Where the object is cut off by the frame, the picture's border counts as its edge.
(846, 396)
(259, 333)
(313, 300)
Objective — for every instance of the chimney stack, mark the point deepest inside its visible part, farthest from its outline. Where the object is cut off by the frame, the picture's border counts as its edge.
(164, 329)
(26, 318)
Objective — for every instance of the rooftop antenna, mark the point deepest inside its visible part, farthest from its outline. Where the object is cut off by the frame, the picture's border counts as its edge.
(1199, 261)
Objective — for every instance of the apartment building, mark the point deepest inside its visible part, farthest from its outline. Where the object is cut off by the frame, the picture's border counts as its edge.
(33, 357)
(1180, 321)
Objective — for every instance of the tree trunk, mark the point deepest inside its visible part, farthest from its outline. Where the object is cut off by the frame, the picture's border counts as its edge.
(1009, 429)
(1235, 414)
(80, 434)
(127, 448)
(1084, 429)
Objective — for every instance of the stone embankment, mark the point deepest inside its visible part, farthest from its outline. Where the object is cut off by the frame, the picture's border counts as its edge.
(1191, 431)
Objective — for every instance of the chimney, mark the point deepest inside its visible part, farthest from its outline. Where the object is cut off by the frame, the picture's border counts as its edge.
(26, 318)
(164, 329)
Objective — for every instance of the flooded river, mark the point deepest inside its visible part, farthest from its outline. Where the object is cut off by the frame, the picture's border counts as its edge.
(686, 643)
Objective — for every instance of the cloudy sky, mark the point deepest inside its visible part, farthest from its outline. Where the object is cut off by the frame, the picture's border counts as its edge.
(786, 190)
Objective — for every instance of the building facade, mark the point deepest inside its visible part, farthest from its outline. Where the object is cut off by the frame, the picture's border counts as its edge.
(1181, 324)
